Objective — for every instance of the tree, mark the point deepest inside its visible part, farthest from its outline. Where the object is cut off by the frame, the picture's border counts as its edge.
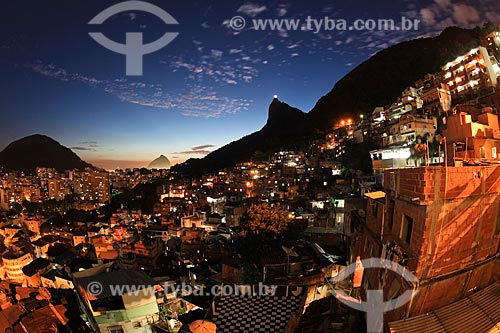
(265, 219)
(17, 207)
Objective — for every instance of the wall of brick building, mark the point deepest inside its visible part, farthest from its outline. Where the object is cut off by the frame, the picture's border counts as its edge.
(375, 215)
(438, 293)
(455, 214)
(464, 234)
(420, 184)
(455, 238)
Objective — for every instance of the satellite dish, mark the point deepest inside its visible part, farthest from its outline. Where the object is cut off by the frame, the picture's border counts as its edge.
(362, 212)
(202, 326)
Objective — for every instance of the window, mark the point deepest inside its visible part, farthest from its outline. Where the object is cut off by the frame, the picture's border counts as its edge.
(116, 329)
(406, 229)
(494, 152)
(482, 152)
(374, 209)
(392, 205)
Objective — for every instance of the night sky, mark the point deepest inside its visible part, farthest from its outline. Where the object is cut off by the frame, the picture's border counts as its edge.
(210, 86)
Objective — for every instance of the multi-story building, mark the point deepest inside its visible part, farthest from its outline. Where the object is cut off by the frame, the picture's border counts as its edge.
(14, 260)
(442, 223)
(493, 41)
(92, 185)
(470, 140)
(378, 115)
(132, 310)
(410, 100)
(33, 223)
(4, 204)
(396, 151)
(58, 188)
(408, 128)
(436, 99)
(476, 70)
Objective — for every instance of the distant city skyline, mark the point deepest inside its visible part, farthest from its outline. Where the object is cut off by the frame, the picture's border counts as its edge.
(210, 86)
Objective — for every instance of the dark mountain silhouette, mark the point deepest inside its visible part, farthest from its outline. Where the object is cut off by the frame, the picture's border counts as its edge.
(38, 150)
(284, 128)
(376, 82)
(161, 162)
(381, 79)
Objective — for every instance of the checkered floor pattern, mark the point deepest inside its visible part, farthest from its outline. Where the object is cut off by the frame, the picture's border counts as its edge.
(266, 314)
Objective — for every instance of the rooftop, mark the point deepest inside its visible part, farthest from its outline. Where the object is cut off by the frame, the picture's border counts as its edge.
(480, 312)
(126, 277)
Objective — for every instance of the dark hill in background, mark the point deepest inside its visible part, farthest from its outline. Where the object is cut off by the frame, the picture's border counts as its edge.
(39, 151)
(284, 128)
(161, 162)
(376, 82)
(381, 79)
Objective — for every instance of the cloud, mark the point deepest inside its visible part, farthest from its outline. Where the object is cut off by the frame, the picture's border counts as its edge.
(82, 148)
(87, 146)
(465, 14)
(202, 147)
(448, 22)
(235, 51)
(209, 68)
(493, 17)
(281, 11)
(252, 9)
(443, 3)
(198, 150)
(193, 152)
(195, 99)
(216, 53)
(428, 16)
